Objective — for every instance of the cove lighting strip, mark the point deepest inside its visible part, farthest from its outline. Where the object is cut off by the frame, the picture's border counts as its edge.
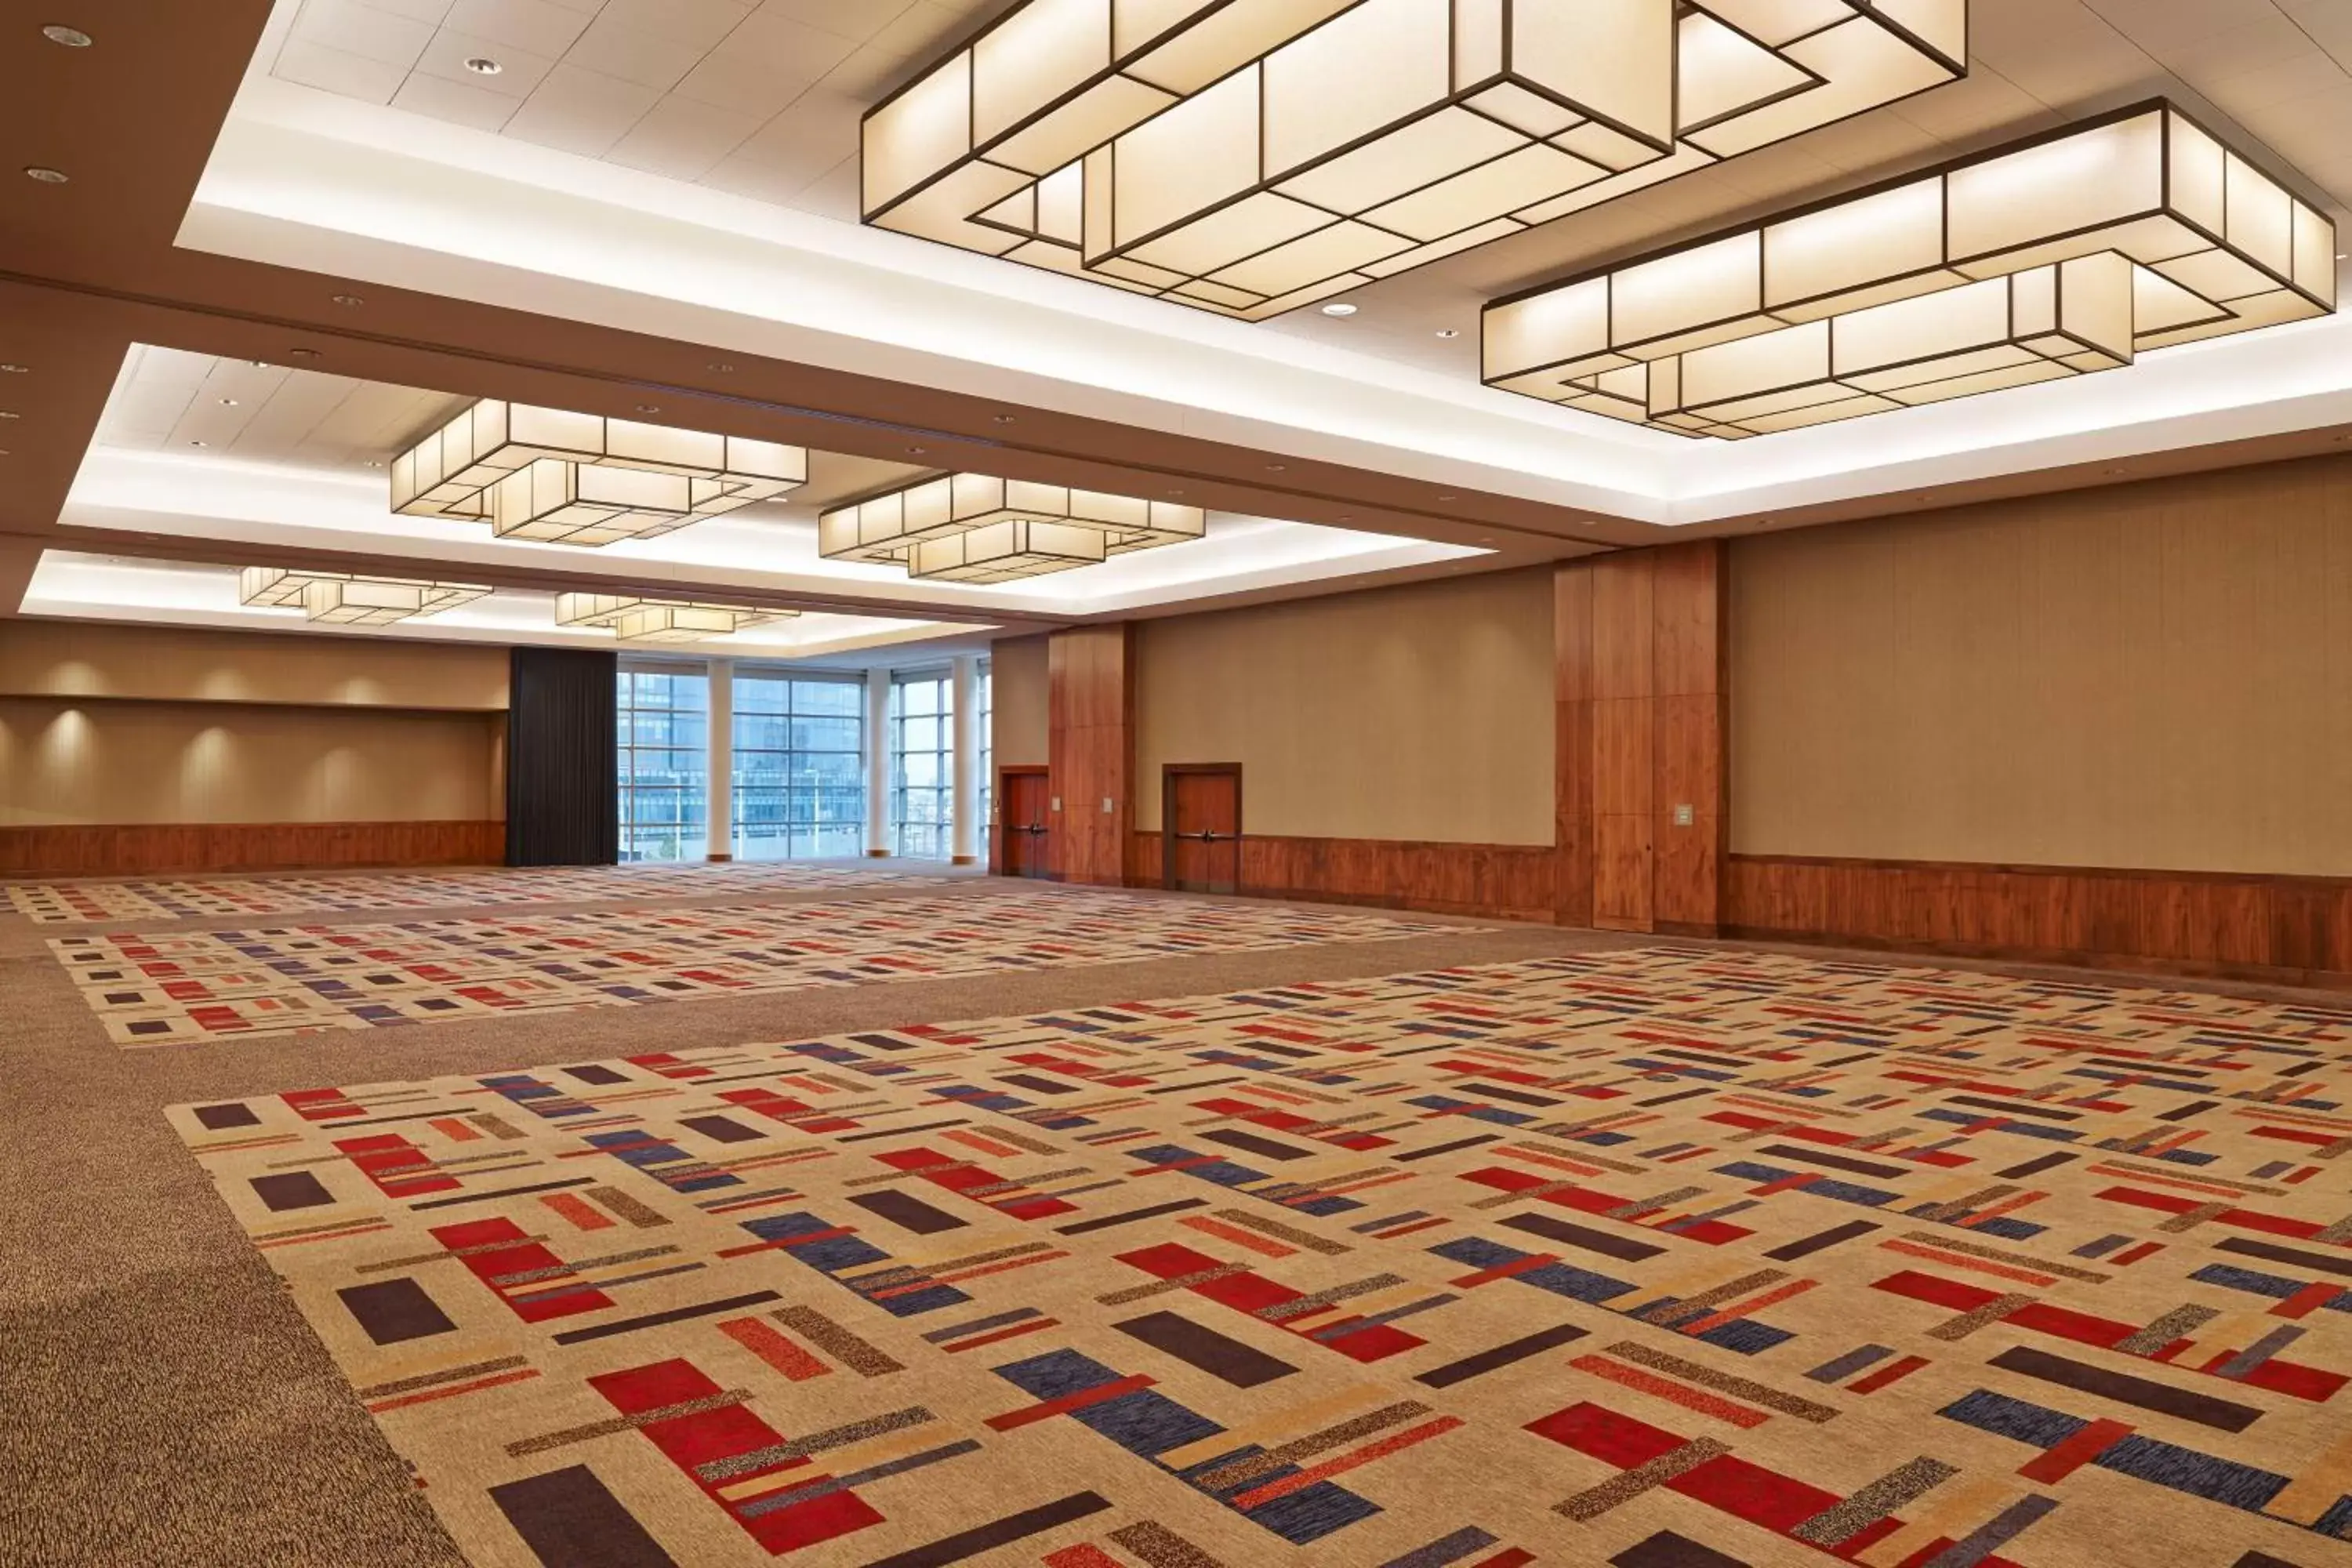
(659, 620)
(975, 527)
(561, 477)
(334, 599)
(2060, 256)
(1252, 156)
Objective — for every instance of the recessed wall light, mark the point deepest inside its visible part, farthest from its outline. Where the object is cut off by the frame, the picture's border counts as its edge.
(13, 368)
(722, 367)
(1341, 308)
(349, 299)
(9, 413)
(1275, 468)
(482, 64)
(47, 175)
(302, 354)
(71, 38)
(1004, 419)
(915, 451)
(649, 408)
(1449, 498)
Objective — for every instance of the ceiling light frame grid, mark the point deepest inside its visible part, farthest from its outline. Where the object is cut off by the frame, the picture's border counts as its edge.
(1038, 182)
(1031, 528)
(343, 598)
(554, 476)
(2185, 211)
(634, 619)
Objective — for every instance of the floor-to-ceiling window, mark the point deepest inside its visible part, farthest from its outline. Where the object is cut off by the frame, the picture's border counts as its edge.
(800, 780)
(987, 751)
(922, 765)
(665, 739)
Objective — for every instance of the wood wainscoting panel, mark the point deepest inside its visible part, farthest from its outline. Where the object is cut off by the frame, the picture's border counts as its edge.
(2295, 929)
(140, 849)
(1492, 881)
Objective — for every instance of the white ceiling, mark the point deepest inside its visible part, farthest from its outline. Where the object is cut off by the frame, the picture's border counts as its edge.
(762, 98)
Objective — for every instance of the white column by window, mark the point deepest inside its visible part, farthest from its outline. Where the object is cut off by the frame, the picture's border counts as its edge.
(719, 839)
(966, 799)
(877, 762)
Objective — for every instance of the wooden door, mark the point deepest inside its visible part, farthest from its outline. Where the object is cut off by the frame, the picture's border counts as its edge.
(1021, 812)
(1201, 813)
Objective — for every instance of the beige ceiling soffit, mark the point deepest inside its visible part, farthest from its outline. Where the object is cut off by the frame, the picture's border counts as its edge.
(1248, 157)
(2063, 254)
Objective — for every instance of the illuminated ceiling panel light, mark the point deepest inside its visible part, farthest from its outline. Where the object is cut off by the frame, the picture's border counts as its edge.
(2056, 257)
(633, 619)
(334, 598)
(1252, 156)
(1030, 527)
(581, 479)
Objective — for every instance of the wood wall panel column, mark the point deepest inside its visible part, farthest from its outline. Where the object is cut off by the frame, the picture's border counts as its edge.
(1090, 706)
(1642, 680)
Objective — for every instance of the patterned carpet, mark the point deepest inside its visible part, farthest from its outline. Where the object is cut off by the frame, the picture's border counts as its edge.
(81, 903)
(180, 988)
(1662, 1259)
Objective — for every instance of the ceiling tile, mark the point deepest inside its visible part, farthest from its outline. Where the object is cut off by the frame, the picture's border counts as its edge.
(682, 139)
(807, 141)
(364, 31)
(581, 111)
(834, 194)
(613, 49)
(697, 24)
(433, 11)
(856, 20)
(765, 65)
(336, 71)
(538, 25)
(458, 102)
(520, 71)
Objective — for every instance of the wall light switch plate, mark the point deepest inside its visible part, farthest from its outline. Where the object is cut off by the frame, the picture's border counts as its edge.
(1106, 805)
(1057, 802)
(1685, 816)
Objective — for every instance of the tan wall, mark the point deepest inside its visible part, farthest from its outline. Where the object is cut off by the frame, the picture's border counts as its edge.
(2155, 675)
(56, 659)
(1018, 694)
(123, 763)
(1419, 713)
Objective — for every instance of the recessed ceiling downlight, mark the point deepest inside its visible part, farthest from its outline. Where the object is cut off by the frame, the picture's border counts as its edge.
(71, 38)
(1341, 308)
(45, 175)
(482, 64)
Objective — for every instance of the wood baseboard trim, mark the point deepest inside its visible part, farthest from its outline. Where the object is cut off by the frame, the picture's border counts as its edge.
(2291, 931)
(1483, 882)
(128, 850)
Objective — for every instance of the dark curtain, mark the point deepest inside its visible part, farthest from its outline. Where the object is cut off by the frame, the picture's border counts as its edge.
(563, 783)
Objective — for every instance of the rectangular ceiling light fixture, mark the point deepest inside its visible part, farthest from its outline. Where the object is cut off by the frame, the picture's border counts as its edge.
(1252, 156)
(581, 479)
(976, 528)
(2059, 256)
(333, 598)
(659, 620)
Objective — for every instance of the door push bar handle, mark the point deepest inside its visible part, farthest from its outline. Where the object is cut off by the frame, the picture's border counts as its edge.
(1207, 837)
